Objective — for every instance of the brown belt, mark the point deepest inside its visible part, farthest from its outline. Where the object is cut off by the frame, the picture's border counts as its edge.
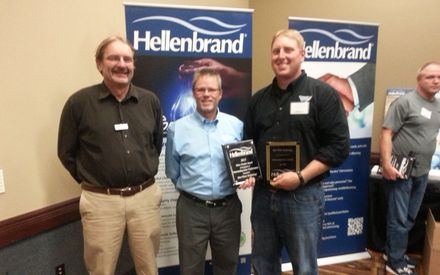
(123, 192)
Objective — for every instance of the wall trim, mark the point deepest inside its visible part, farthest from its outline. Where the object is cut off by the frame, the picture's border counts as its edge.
(33, 223)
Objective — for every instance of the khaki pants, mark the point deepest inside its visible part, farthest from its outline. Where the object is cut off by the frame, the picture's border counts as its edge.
(104, 219)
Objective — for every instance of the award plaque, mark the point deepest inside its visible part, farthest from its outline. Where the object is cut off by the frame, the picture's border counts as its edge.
(241, 161)
(403, 164)
(281, 156)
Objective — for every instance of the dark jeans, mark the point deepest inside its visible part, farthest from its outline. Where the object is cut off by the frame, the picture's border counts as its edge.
(291, 219)
(404, 200)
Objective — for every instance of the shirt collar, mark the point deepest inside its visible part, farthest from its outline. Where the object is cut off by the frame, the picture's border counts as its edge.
(105, 92)
(204, 120)
(291, 87)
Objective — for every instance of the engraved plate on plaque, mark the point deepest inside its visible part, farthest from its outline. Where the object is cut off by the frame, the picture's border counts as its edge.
(281, 156)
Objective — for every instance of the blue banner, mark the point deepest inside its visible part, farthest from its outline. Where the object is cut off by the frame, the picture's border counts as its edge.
(172, 42)
(177, 31)
(343, 54)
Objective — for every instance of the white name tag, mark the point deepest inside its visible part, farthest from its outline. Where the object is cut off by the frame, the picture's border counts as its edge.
(426, 113)
(121, 126)
(299, 108)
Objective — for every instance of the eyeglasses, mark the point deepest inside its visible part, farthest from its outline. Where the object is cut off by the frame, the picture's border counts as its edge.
(205, 90)
(117, 58)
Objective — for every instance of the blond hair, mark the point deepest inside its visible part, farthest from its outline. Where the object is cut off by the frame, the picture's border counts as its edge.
(207, 71)
(290, 33)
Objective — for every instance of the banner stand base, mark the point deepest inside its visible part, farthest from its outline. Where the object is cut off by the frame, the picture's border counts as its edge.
(334, 260)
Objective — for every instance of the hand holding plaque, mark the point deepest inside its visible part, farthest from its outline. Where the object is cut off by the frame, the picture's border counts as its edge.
(241, 161)
(281, 156)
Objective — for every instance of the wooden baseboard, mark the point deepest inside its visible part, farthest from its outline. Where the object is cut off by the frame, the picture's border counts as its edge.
(33, 223)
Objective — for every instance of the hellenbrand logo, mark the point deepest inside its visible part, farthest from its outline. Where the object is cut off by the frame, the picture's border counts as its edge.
(166, 42)
(241, 152)
(337, 51)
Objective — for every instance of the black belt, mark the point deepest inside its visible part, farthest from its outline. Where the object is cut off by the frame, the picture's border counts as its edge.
(209, 203)
(123, 192)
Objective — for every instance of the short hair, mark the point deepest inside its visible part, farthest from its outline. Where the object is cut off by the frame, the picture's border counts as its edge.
(206, 71)
(290, 33)
(420, 70)
(99, 55)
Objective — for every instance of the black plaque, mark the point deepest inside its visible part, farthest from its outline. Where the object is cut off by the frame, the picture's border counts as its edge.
(403, 164)
(281, 156)
(241, 161)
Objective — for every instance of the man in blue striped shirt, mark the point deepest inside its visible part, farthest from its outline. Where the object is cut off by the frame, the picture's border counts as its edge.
(208, 209)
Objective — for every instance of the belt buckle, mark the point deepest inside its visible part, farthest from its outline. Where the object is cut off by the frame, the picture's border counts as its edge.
(210, 203)
(123, 190)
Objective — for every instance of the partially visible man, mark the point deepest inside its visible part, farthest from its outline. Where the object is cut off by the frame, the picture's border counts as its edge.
(411, 125)
(110, 139)
(208, 208)
(288, 210)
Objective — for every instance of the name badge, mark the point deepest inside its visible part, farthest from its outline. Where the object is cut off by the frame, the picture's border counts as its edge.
(426, 113)
(121, 126)
(299, 108)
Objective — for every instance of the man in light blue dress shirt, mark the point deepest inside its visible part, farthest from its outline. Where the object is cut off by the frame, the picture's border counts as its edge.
(208, 208)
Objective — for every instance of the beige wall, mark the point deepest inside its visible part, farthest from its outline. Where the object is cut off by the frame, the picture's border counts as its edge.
(47, 51)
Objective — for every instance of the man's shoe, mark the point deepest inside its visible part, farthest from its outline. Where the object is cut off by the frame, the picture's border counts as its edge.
(400, 270)
(410, 262)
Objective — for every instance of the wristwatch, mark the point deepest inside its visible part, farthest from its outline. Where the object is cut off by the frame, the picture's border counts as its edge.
(302, 182)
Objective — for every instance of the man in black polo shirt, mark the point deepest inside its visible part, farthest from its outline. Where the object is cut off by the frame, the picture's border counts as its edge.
(288, 209)
(110, 139)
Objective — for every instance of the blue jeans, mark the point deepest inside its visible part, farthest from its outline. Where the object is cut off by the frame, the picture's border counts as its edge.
(404, 198)
(291, 219)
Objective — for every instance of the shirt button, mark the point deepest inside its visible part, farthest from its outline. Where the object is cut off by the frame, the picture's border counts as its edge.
(277, 123)
(125, 135)
(128, 152)
(281, 108)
